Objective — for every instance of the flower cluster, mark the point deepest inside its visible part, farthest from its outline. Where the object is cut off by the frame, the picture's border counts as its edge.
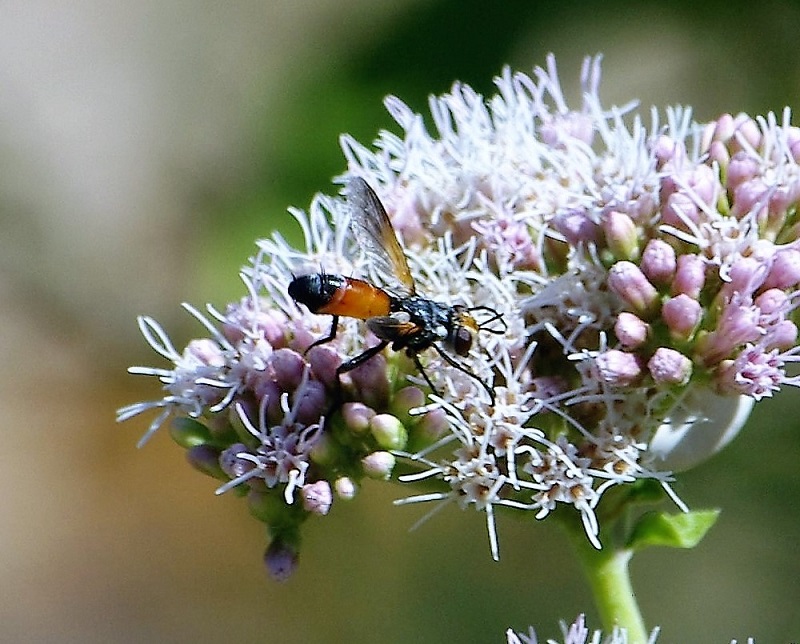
(647, 280)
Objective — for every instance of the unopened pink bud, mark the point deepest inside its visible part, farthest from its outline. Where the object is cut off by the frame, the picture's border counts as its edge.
(785, 270)
(345, 488)
(742, 167)
(772, 301)
(576, 227)
(682, 315)
(621, 235)
(669, 367)
(356, 416)
(378, 465)
(659, 262)
(630, 330)
(280, 560)
(690, 276)
(618, 368)
(782, 336)
(628, 282)
(680, 210)
(317, 497)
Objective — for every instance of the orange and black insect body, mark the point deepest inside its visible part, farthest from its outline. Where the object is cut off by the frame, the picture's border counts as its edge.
(395, 314)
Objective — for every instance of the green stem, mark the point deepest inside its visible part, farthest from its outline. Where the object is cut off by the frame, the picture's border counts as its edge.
(610, 581)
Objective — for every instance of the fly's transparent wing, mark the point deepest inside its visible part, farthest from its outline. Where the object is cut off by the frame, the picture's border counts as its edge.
(374, 233)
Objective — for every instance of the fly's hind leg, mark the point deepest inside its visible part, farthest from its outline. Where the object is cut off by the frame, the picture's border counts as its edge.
(345, 367)
(328, 338)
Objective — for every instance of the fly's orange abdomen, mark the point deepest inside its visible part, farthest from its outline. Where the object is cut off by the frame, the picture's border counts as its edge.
(337, 295)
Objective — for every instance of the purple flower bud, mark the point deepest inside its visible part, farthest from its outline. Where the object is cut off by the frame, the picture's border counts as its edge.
(785, 270)
(659, 262)
(793, 142)
(669, 367)
(723, 128)
(668, 149)
(345, 488)
(388, 431)
(630, 330)
(618, 368)
(690, 276)
(705, 183)
(747, 132)
(682, 315)
(621, 235)
(324, 361)
(718, 152)
(407, 398)
(311, 402)
(287, 368)
(742, 168)
(317, 497)
(749, 196)
(772, 301)
(281, 560)
(628, 282)
(782, 335)
(576, 227)
(371, 381)
(206, 352)
(431, 426)
(356, 416)
(680, 210)
(745, 276)
(205, 459)
(378, 465)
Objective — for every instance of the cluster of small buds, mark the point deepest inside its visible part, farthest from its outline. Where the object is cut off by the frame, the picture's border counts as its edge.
(250, 406)
(646, 278)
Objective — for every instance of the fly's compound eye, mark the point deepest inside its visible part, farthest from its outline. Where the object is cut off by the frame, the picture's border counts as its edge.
(462, 340)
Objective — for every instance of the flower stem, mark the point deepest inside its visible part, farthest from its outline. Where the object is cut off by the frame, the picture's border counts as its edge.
(609, 578)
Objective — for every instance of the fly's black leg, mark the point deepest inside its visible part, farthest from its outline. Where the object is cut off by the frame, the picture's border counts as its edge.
(454, 363)
(361, 358)
(418, 364)
(351, 364)
(331, 335)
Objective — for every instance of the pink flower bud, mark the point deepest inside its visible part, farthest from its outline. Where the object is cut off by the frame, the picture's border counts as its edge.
(356, 416)
(682, 315)
(781, 336)
(618, 368)
(576, 227)
(621, 235)
(680, 210)
(658, 262)
(280, 560)
(630, 330)
(628, 282)
(771, 301)
(317, 497)
(345, 488)
(669, 367)
(690, 276)
(378, 465)
(742, 168)
(785, 270)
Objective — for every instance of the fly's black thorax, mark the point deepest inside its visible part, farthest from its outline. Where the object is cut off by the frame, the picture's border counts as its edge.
(434, 321)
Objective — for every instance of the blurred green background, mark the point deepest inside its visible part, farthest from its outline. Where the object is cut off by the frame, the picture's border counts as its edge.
(143, 147)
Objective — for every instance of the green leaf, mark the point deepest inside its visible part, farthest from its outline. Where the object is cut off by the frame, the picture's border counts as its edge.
(684, 530)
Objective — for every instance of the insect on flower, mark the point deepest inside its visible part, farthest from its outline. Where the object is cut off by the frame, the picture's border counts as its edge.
(393, 312)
